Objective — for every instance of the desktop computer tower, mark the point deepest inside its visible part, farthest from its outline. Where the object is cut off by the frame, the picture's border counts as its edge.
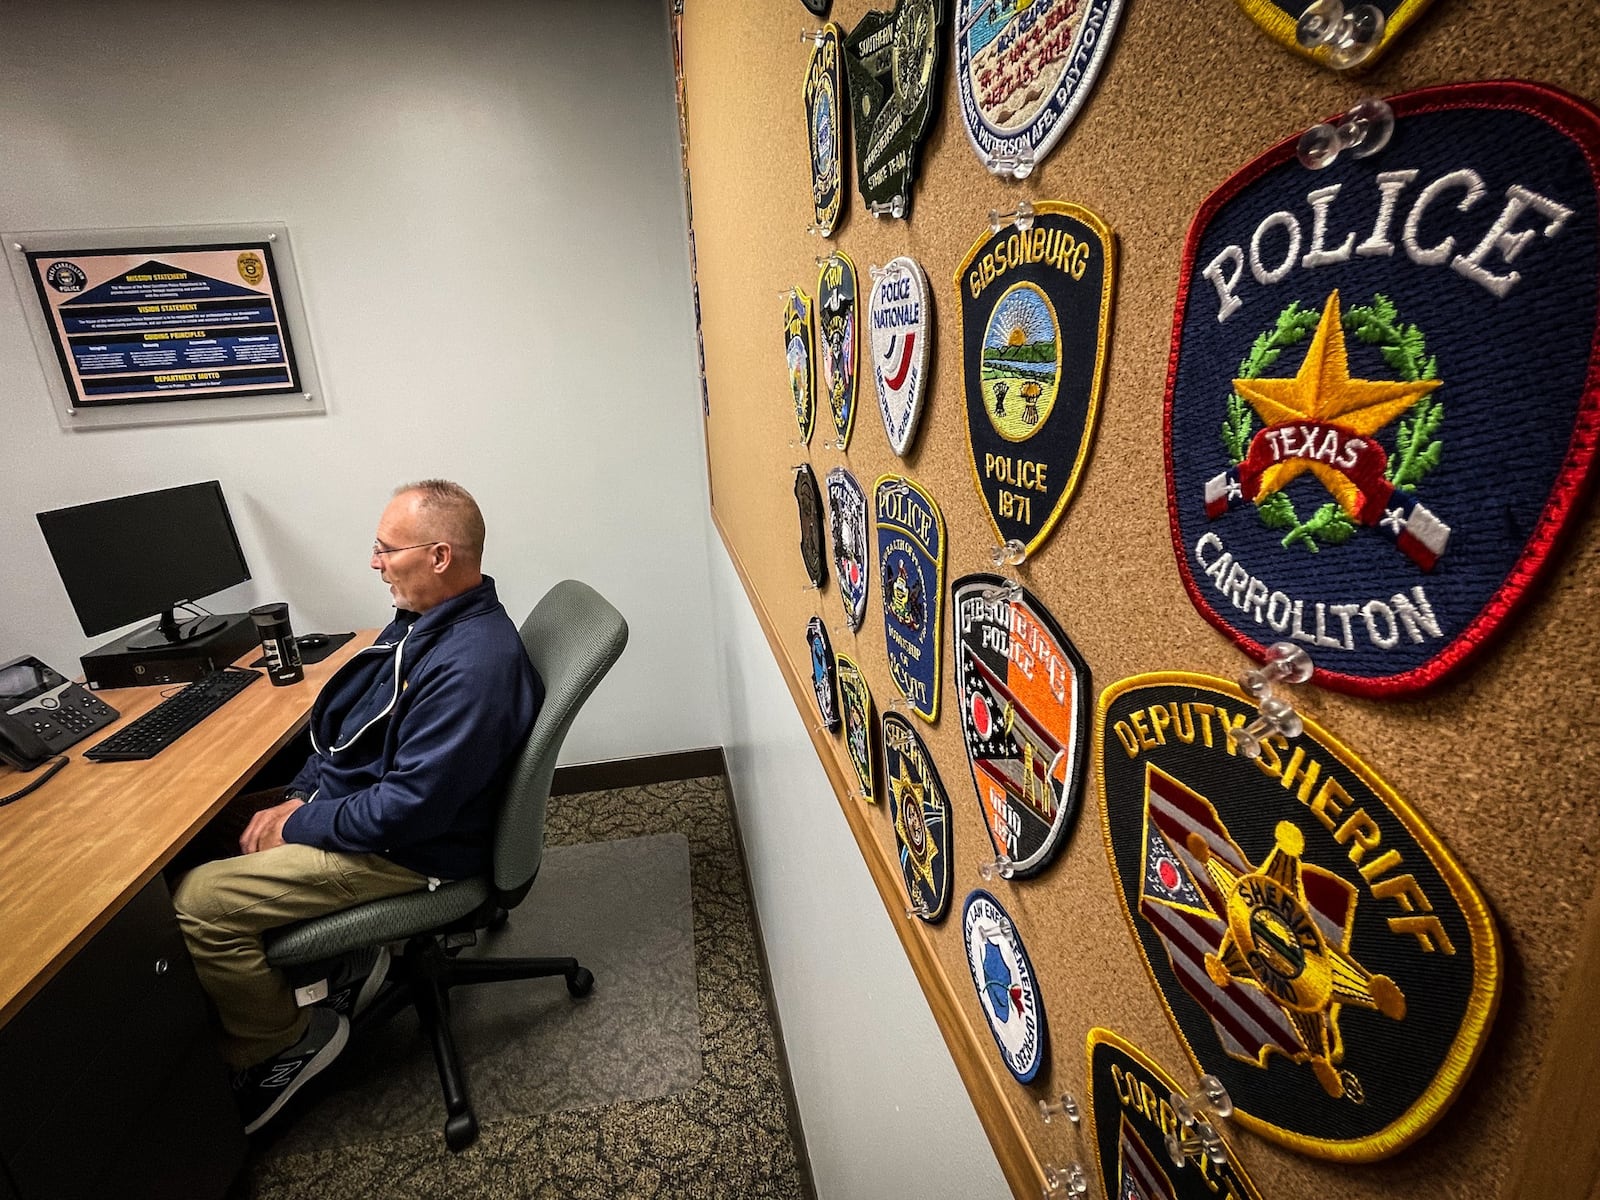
(115, 665)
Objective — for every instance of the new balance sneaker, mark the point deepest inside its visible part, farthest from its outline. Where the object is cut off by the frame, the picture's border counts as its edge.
(261, 1090)
(357, 981)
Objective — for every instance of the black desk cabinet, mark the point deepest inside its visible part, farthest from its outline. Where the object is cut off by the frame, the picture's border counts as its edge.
(110, 1084)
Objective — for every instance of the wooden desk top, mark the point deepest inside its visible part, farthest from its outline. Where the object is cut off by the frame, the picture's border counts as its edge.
(76, 850)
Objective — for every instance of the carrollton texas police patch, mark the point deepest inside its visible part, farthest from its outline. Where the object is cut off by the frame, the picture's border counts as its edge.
(911, 582)
(1024, 700)
(920, 810)
(824, 673)
(1008, 989)
(1130, 1114)
(1381, 405)
(1317, 948)
(855, 707)
(900, 331)
(1035, 314)
(808, 503)
(837, 323)
(824, 89)
(798, 346)
(892, 59)
(1279, 18)
(847, 522)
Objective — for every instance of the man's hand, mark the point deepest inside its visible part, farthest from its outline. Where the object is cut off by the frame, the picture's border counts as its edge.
(266, 828)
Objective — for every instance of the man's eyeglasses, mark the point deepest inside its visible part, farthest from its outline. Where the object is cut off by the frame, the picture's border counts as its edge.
(379, 549)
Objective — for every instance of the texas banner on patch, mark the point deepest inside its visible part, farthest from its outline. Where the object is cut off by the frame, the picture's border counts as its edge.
(919, 807)
(798, 347)
(1007, 986)
(1035, 318)
(1130, 1114)
(1381, 403)
(1025, 699)
(823, 92)
(911, 581)
(1281, 17)
(1315, 945)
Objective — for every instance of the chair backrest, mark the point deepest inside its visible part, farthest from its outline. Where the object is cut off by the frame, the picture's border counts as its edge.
(573, 636)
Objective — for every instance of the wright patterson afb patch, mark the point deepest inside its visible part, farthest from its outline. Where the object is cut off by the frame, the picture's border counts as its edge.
(1035, 319)
(824, 673)
(1381, 405)
(920, 810)
(911, 581)
(1317, 948)
(1024, 700)
(847, 523)
(798, 347)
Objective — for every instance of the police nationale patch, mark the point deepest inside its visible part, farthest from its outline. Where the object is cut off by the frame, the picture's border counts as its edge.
(1130, 1114)
(920, 810)
(798, 347)
(1024, 70)
(824, 673)
(837, 329)
(1280, 17)
(1035, 317)
(855, 708)
(1314, 943)
(1381, 405)
(892, 59)
(911, 579)
(901, 331)
(1024, 698)
(847, 522)
(824, 89)
(1008, 990)
(808, 502)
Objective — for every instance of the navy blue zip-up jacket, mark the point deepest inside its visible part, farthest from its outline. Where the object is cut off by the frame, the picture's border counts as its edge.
(411, 736)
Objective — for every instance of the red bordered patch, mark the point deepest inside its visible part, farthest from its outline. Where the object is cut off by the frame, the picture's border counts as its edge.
(920, 809)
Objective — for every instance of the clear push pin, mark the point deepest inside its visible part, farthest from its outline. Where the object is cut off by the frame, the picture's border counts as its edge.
(999, 867)
(1070, 1180)
(895, 208)
(1351, 32)
(815, 36)
(1010, 554)
(1018, 166)
(1362, 131)
(893, 268)
(1065, 1105)
(900, 704)
(1022, 216)
(1195, 1135)
(919, 910)
(897, 487)
(1275, 715)
(993, 931)
(1286, 663)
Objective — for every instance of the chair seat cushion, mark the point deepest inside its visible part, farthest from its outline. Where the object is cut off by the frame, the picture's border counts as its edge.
(391, 919)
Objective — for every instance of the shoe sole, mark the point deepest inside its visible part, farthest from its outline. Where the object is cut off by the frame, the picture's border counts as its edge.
(313, 1068)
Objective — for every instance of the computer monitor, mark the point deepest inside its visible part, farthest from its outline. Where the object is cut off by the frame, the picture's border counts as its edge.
(125, 559)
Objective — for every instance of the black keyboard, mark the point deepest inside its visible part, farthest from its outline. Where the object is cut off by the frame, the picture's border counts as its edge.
(149, 735)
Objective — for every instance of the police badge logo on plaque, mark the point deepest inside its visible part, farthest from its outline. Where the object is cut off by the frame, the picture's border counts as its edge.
(847, 522)
(837, 330)
(911, 578)
(1008, 989)
(1024, 697)
(808, 503)
(892, 59)
(1035, 320)
(901, 332)
(798, 353)
(920, 810)
(824, 673)
(1313, 942)
(1381, 408)
(824, 91)
(855, 708)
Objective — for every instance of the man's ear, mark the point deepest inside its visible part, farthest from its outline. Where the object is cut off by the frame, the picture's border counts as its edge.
(443, 556)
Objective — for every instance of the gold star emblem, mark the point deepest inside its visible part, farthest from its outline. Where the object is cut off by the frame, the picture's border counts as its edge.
(1322, 390)
(911, 825)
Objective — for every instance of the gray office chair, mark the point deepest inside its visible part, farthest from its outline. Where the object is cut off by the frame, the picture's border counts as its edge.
(573, 637)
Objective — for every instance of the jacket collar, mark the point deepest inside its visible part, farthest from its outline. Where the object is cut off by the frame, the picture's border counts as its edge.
(471, 603)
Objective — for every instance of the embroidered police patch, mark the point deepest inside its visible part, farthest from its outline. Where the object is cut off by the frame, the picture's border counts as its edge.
(855, 707)
(823, 90)
(1024, 697)
(1130, 1115)
(920, 810)
(847, 522)
(1346, 344)
(892, 58)
(1280, 18)
(1035, 318)
(901, 332)
(1008, 990)
(797, 351)
(911, 576)
(1317, 948)
(809, 503)
(836, 326)
(824, 673)
(1024, 70)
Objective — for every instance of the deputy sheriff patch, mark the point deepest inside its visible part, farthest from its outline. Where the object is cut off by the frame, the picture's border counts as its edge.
(1008, 990)
(892, 58)
(1023, 70)
(836, 328)
(1281, 17)
(1130, 1115)
(1024, 697)
(1381, 406)
(855, 708)
(911, 576)
(1035, 318)
(1315, 945)
(920, 810)
(824, 673)
(797, 351)
(847, 522)
(808, 502)
(824, 87)
(901, 332)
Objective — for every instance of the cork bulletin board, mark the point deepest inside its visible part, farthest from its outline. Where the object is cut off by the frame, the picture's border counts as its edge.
(1499, 760)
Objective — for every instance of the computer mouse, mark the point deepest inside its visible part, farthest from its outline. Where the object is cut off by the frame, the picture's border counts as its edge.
(310, 641)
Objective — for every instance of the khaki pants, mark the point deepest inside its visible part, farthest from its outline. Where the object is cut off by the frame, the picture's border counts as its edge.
(226, 905)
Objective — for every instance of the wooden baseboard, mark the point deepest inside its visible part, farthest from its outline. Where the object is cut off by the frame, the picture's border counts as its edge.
(635, 772)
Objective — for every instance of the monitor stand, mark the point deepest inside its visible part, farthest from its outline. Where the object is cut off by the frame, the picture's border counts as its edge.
(169, 632)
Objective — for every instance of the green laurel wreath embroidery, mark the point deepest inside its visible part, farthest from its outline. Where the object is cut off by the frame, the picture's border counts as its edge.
(1418, 449)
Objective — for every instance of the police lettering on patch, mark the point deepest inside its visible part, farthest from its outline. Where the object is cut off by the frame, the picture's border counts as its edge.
(1280, 18)
(920, 810)
(855, 708)
(1008, 989)
(900, 332)
(911, 579)
(1035, 318)
(808, 503)
(797, 351)
(824, 89)
(1317, 948)
(1130, 1115)
(836, 330)
(892, 59)
(1024, 70)
(824, 673)
(847, 522)
(1025, 699)
(1381, 408)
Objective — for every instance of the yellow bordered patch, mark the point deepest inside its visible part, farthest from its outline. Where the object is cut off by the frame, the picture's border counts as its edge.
(855, 707)
(911, 556)
(1281, 17)
(838, 332)
(824, 95)
(799, 353)
(920, 809)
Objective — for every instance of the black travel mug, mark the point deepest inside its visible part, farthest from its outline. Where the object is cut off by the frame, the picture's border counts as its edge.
(278, 644)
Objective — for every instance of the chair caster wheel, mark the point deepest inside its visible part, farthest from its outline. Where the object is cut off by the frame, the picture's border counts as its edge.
(580, 983)
(460, 1131)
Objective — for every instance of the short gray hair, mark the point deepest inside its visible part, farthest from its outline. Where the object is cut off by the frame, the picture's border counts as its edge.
(451, 513)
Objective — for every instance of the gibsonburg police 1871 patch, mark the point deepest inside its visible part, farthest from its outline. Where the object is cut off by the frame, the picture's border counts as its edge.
(920, 809)
(1381, 406)
(1008, 989)
(837, 323)
(1035, 318)
(798, 352)
(911, 579)
(847, 522)
(1317, 948)
(824, 90)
